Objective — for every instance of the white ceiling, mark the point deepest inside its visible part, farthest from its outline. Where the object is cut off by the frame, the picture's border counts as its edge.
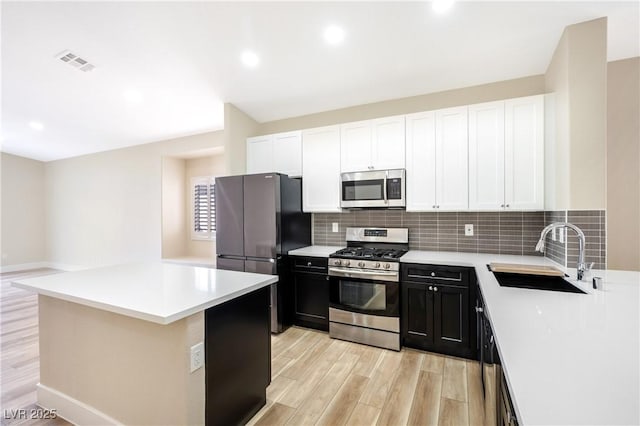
(185, 60)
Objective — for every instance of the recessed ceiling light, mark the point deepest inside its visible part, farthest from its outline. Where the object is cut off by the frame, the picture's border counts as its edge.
(250, 59)
(132, 95)
(441, 6)
(334, 34)
(36, 125)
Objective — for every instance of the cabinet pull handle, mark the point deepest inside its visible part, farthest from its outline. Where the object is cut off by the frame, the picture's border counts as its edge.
(326, 278)
(433, 274)
(430, 288)
(507, 205)
(308, 263)
(502, 206)
(435, 289)
(434, 206)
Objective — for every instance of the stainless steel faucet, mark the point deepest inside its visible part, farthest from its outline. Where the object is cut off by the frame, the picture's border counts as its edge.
(582, 266)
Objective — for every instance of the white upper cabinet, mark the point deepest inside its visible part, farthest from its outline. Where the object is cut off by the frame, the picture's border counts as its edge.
(506, 155)
(373, 144)
(437, 160)
(524, 153)
(452, 159)
(321, 169)
(486, 156)
(281, 153)
(388, 143)
(355, 146)
(421, 161)
(260, 154)
(287, 153)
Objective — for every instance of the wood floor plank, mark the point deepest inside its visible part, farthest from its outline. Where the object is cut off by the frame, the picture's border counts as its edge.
(364, 415)
(303, 344)
(398, 404)
(282, 342)
(453, 413)
(475, 395)
(454, 385)
(278, 387)
(433, 363)
(296, 395)
(277, 414)
(426, 400)
(369, 357)
(278, 364)
(324, 392)
(307, 360)
(341, 406)
(381, 379)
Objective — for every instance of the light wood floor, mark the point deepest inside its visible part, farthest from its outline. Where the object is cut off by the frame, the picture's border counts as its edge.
(316, 380)
(19, 361)
(321, 381)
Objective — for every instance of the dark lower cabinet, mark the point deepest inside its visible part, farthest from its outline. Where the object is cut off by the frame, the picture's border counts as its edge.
(237, 358)
(310, 292)
(436, 313)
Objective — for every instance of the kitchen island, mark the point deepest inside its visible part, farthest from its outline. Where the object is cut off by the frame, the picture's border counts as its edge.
(116, 344)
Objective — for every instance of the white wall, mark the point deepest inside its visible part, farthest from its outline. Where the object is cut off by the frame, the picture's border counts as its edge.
(106, 208)
(22, 235)
(174, 196)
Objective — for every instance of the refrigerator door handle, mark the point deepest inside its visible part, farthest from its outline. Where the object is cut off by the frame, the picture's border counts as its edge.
(233, 257)
(261, 259)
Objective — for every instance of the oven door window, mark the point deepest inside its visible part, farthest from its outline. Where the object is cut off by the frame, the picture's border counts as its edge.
(362, 296)
(363, 190)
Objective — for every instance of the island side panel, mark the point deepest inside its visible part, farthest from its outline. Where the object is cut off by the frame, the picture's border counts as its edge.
(129, 370)
(238, 358)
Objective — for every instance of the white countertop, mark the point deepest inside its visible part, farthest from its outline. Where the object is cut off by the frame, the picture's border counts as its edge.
(315, 251)
(568, 358)
(157, 292)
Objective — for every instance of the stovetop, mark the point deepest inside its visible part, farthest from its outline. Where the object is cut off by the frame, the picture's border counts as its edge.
(370, 253)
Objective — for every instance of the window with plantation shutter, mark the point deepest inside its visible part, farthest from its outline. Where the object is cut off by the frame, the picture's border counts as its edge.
(204, 208)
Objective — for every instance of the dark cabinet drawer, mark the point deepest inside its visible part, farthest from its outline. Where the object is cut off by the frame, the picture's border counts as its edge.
(435, 273)
(310, 264)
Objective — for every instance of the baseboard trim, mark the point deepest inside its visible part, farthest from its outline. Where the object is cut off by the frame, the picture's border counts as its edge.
(71, 409)
(23, 267)
(38, 265)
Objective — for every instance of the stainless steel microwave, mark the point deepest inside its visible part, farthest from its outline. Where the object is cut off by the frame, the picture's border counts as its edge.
(375, 188)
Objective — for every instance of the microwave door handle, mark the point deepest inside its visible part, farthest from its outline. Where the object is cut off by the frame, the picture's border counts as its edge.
(384, 188)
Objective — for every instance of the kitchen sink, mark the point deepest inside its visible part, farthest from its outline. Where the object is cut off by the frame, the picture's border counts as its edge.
(536, 282)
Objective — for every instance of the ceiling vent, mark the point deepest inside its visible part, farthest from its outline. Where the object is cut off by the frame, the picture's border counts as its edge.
(75, 61)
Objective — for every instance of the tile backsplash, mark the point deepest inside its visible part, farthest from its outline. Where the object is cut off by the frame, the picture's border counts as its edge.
(593, 224)
(494, 232)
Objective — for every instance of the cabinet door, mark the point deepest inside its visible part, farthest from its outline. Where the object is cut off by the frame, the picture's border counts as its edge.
(311, 299)
(389, 143)
(421, 161)
(321, 169)
(417, 315)
(260, 154)
(486, 156)
(451, 325)
(355, 146)
(524, 153)
(287, 153)
(451, 159)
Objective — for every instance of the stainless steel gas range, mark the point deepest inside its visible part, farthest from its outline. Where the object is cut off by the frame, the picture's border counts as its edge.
(364, 301)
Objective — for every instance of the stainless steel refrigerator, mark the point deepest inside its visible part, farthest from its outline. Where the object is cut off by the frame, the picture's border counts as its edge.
(259, 218)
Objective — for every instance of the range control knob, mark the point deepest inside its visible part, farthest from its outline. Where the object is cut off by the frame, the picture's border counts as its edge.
(346, 263)
(377, 264)
(338, 262)
(361, 264)
(387, 266)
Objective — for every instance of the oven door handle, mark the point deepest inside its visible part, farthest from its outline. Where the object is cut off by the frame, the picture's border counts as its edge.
(382, 275)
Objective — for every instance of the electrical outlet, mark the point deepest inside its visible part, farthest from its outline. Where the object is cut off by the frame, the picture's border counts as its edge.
(468, 230)
(197, 356)
(553, 234)
(335, 227)
(561, 237)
